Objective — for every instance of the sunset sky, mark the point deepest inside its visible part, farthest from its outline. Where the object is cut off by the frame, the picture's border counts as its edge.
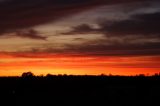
(119, 37)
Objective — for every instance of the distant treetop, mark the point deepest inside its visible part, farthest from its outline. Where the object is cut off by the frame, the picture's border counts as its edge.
(27, 74)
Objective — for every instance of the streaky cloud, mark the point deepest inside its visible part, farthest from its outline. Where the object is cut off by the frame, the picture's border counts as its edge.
(18, 14)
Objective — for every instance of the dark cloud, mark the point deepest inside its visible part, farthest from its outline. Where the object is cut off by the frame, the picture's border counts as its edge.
(146, 24)
(32, 34)
(18, 14)
(139, 24)
(81, 29)
(138, 35)
(102, 48)
(25, 33)
(116, 49)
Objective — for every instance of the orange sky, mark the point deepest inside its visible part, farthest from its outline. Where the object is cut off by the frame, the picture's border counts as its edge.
(13, 65)
(92, 37)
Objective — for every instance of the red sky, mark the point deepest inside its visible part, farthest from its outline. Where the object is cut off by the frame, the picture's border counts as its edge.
(16, 64)
(92, 37)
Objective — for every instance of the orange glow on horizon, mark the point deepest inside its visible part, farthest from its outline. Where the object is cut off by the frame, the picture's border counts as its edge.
(15, 65)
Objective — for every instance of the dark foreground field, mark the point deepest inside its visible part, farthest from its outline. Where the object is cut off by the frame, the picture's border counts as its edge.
(80, 91)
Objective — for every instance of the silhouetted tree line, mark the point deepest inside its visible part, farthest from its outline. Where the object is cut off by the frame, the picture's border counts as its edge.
(30, 74)
(79, 90)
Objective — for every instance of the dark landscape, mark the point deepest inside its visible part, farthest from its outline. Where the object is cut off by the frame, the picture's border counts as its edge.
(69, 90)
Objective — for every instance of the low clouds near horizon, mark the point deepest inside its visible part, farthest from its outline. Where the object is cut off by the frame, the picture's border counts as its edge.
(138, 35)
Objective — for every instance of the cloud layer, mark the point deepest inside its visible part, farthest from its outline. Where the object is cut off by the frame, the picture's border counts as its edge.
(18, 14)
(138, 34)
(147, 25)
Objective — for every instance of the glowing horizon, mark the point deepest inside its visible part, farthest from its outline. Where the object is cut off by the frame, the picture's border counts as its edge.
(10, 65)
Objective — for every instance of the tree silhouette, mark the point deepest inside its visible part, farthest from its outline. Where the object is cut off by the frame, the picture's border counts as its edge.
(27, 74)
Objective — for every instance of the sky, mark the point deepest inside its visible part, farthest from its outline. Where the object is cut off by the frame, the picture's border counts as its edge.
(80, 37)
